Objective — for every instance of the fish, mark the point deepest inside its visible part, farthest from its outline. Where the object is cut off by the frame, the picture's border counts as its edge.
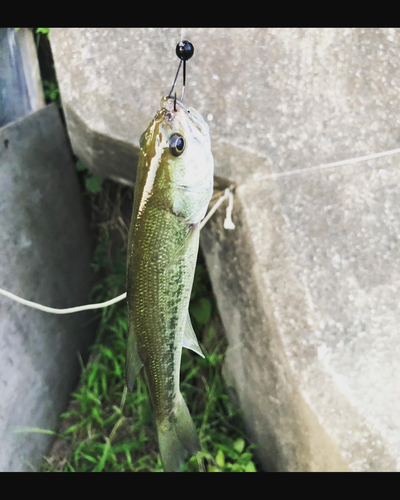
(172, 192)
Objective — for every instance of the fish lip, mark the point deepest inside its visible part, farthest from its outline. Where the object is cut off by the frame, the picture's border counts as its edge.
(190, 116)
(168, 105)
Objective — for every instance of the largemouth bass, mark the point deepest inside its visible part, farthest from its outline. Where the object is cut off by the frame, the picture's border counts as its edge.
(173, 189)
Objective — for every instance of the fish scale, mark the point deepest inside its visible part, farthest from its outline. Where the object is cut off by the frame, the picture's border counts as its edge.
(172, 192)
(162, 302)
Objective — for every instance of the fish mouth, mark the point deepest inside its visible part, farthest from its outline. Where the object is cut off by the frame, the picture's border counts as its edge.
(173, 109)
(171, 106)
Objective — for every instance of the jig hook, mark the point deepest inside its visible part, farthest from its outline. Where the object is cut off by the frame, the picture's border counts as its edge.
(184, 50)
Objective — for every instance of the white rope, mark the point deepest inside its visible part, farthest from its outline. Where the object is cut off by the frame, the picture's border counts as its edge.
(215, 207)
(68, 310)
(228, 224)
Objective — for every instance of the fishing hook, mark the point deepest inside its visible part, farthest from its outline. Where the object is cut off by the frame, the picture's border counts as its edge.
(176, 76)
(184, 50)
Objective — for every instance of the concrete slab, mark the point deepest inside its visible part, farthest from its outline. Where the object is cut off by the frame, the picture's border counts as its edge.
(290, 97)
(45, 256)
(21, 90)
(308, 288)
(307, 283)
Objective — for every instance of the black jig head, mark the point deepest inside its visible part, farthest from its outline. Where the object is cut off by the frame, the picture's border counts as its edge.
(184, 50)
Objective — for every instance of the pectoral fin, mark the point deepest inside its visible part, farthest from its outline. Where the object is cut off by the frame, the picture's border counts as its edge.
(133, 362)
(189, 339)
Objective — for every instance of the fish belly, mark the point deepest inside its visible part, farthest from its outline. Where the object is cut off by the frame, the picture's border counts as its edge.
(161, 270)
(161, 267)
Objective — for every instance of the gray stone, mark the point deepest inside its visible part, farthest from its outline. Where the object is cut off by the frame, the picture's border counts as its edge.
(21, 90)
(307, 284)
(308, 289)
(290, 98)
(45, 257)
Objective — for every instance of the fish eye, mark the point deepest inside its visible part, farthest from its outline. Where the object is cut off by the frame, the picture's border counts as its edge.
(177, 144)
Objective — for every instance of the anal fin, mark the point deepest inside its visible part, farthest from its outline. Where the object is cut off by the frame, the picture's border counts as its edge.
(189, 338)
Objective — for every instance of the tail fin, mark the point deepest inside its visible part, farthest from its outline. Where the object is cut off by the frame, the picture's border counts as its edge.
(177, 437)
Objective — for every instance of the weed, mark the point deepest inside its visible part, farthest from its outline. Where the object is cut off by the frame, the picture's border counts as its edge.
(93, 183)
(107, 428)
(47, 70)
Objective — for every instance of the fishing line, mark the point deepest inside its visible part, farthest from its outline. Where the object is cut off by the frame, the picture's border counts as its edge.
(329, 165)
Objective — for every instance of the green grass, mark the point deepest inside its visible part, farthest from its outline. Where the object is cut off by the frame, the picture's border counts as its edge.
(51, 91)
(108, 429)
